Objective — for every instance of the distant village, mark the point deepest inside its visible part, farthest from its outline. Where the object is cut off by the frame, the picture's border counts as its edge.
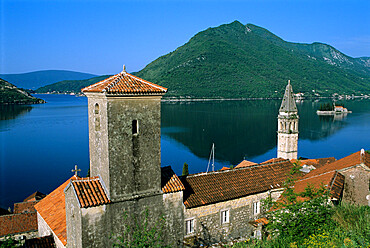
(203, 209)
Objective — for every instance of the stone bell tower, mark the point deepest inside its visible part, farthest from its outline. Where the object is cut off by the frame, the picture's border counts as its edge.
(287, 147)
(124, 135)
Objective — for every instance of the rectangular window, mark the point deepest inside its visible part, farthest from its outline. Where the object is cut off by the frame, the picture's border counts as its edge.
(135, 127)
(256, 208)
(225, 216)
(189, 226)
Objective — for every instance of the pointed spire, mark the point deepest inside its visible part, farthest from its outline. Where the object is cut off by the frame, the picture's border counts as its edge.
(288, 103)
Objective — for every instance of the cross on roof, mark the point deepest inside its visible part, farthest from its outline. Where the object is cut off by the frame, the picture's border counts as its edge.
(76, 170)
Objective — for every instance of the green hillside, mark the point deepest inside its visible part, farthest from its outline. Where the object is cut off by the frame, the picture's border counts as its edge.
(10, 94)
(236, 60)
(68, 86)
(36, 79)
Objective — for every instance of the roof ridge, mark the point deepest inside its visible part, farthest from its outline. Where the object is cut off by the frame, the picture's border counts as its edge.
(146, 82)
(316, 175)
(98, 83)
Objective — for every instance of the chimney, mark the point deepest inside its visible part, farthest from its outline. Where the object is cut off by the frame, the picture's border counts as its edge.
(362, 156)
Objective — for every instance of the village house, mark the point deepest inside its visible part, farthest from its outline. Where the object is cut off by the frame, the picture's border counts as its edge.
(205, 208)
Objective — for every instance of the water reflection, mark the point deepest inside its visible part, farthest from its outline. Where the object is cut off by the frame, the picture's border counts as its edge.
(241, 129)
(8, 112)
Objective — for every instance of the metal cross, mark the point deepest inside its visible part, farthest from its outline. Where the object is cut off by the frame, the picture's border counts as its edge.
(76, 170)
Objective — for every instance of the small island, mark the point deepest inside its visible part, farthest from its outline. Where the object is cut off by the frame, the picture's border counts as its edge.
(10, 94)
(332, 109)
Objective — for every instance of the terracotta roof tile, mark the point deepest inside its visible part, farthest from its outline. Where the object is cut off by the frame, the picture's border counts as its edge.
(35, 197)
(18, 223)
(90, 192)
(125, 84)
(262, 220)
(170, 182)
(351, 160)
(273, 160)
(25, 207)
(41, 242)
(208, 188)
(245, 163)
(53, 210)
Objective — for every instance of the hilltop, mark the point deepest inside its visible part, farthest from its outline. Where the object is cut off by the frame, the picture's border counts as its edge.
(37, 79)
(241, 61)
(236, 60)
(10, 94)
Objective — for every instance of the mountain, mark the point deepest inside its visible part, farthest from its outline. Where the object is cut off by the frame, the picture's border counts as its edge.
(36, 79)
(10, 94)
(67, 86)
(236, 60)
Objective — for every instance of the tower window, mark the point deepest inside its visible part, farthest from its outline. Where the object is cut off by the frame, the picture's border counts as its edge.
(97, 117)
(96, 110)
(135, 127)
(189, 226)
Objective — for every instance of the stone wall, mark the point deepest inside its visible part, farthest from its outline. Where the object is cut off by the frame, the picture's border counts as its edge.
(208, 226)
(356, 185)
(174, 216)
(73, 218)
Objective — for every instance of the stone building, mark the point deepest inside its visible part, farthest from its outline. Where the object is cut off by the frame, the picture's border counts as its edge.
(126, 177)
(288, 126)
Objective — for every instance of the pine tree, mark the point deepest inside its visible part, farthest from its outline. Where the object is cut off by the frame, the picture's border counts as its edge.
(185, 169)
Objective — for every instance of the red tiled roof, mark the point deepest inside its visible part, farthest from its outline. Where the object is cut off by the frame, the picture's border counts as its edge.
(273, 160)
(125, 83)
(225, 168)
(170, 182)
(351, 160)
(24, 207)
(245, 163)
(318, 162)
(53, 210)
(18, 223)
(41, 242)
(208, 188)
(90, 192)
(262, 220)
(35, 197)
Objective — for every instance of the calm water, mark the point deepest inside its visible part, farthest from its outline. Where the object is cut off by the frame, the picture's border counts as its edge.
(40, 144)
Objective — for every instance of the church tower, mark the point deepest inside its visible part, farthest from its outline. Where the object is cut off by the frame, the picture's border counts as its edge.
(287, 147)
(124, 135)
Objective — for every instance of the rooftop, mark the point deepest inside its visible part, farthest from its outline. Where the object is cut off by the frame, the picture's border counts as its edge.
(288, 104)
(207, 188)
(124, 83)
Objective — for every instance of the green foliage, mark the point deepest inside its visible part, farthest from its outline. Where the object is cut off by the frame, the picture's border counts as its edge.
(229, 62)
(185, 169)
(9, 243)
(326, 107)
(141, 232)
(88, 172)
(10, 94)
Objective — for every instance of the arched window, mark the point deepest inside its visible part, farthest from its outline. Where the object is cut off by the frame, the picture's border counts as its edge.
(97, 117)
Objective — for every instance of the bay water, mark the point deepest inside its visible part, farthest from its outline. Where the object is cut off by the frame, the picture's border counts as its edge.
(40, 144)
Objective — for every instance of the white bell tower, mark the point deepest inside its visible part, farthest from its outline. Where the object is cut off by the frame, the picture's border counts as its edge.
(288, 126)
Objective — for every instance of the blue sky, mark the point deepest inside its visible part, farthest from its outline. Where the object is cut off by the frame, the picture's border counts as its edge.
(98, 37)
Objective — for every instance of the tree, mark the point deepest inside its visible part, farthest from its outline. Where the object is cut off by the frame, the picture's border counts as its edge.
(299, 214)
(185, 169)
(141, 232)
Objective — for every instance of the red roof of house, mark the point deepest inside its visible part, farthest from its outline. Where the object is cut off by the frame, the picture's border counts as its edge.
(245, 163)
(18, 223)
(207, 188)
(351, 160)
(35, 197)
(170, 182)
(125, 84)
(317, 162)
(24, 207)
(90, 192)
(40, 242)
(53, 210)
